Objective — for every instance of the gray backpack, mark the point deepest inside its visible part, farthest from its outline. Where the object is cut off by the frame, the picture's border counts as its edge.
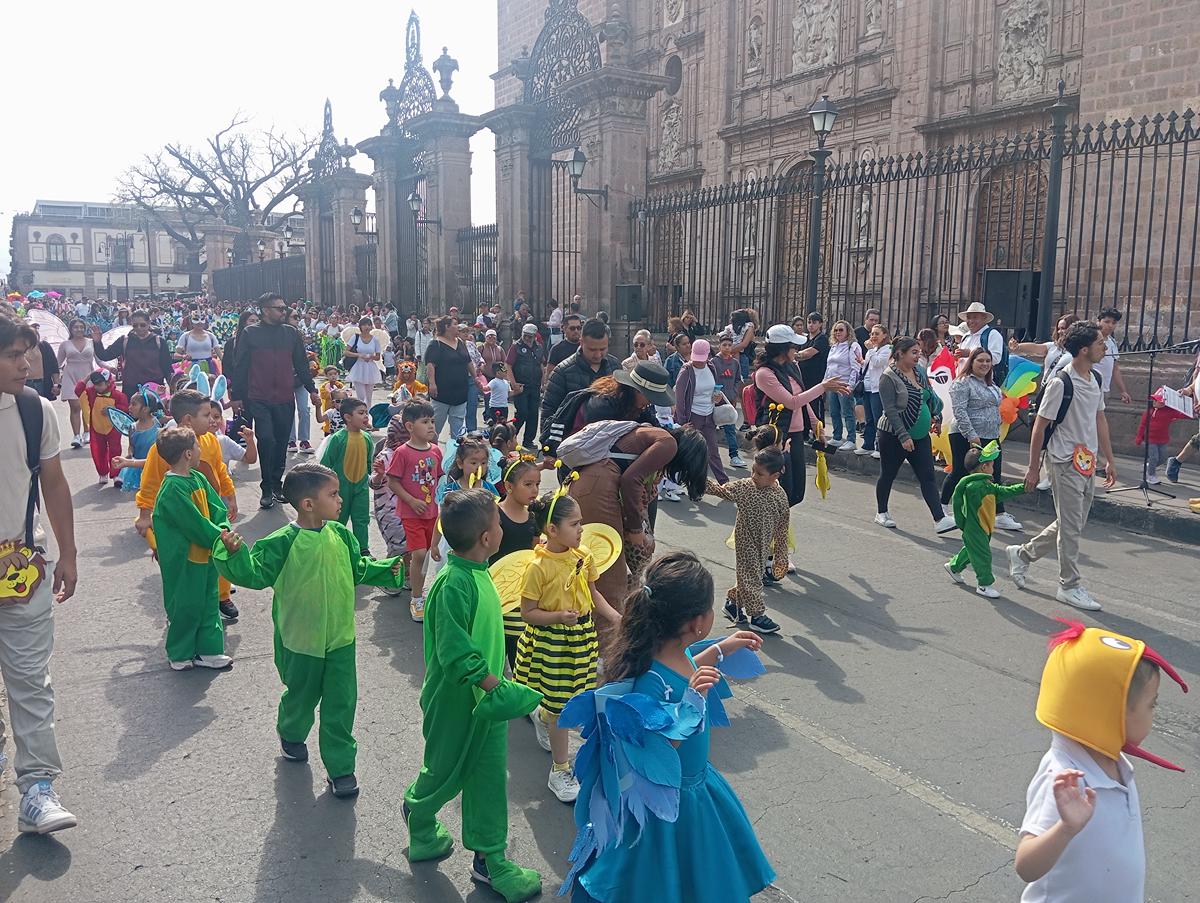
(594, 443)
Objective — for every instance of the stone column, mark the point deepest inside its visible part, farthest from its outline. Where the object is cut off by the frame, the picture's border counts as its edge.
(512, 126)
(446, 139)
(310, 196)
(394, 179)
(613, 135)
(347, 189)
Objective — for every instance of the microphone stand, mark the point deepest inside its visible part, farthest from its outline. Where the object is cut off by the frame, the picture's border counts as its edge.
(1144, 486)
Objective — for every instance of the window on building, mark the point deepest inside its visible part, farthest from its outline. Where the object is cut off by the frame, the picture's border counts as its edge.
(56, 249)
(674, 71)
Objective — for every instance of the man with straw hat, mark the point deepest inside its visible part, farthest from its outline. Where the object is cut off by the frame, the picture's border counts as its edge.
(979, 333)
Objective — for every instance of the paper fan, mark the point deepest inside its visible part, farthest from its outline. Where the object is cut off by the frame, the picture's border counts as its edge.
(121, 420)
(604, 543)
(50, 328)
(509, 576)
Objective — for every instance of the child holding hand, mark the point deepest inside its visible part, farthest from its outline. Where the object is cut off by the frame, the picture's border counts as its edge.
(413, 474)
(558, 650)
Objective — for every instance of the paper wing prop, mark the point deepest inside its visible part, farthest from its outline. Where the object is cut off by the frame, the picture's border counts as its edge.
(121, 420)
(380, 415)
(50, 327)
(509, 572)
(1019, 387)
(941, 371)
(115, 333)
(822, 479)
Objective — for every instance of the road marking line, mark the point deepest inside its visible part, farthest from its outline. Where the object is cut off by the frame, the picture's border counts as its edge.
(994, 828)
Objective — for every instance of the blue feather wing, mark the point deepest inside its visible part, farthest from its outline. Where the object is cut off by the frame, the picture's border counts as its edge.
(121, 420)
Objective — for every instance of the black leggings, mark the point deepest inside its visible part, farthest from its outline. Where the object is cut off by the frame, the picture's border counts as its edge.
(959, 446)
(891, 456)
(793, 469)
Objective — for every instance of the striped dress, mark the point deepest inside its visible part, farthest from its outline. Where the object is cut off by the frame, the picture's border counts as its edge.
(559, 660)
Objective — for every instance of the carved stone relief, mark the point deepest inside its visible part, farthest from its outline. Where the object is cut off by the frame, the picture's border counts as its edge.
(754, 45)
(672, 12)
(670, 145)
(873, 14)
(814, 34)
(862, 217)
(1024, 43)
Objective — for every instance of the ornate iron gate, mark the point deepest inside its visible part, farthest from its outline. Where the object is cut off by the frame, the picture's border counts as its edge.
(477, 272)
(554, 239)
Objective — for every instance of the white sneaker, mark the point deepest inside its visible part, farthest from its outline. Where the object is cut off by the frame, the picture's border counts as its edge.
(41, 812)
(1018, 567)
(848, 445)
(416, 609)
(672, 495)
(885, 520)
(540, 728)
(945, 525)
(957, 578)
(1043, 484)
(216, 662)
(875, 454)
(737, 461)
(1152, 479)
(1078, 597)
(988, 591)
(102, 482)
(182, 666)
(563, 785)
(791, 568)
(1006, 521)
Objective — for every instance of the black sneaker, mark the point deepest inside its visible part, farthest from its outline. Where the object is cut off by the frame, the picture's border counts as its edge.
(267, 501)
(479, 870)
(293, 752)
(229, 611)
(279, 496)
(769, 578)
(763, 624)
(343, 787)
(734, 613)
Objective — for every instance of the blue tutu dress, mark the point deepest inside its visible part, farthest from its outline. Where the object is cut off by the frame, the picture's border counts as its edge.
(707, 852)
(140, 443)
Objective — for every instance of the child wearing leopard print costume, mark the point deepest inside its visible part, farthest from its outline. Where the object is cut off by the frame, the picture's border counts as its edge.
(760, 531)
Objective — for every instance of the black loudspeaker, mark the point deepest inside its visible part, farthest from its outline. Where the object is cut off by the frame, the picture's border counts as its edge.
(1011, 296)
(628, 306)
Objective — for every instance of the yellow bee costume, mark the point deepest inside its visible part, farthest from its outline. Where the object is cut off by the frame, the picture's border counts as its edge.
(1085, 688)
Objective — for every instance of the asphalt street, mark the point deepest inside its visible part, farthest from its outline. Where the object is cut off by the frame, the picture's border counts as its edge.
(883, 757)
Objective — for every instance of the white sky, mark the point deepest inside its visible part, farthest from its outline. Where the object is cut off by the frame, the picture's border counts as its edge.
(114, 81)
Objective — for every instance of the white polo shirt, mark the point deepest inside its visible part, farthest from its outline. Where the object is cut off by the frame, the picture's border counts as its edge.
(1105, 366)
(14, 471)
(1106, 861)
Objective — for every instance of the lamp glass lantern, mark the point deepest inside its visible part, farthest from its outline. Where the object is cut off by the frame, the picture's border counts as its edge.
(823, 115)
(229, 256)
(288, 233)
(577, 164)
(262, 245)
(356, 217)
(414, 203)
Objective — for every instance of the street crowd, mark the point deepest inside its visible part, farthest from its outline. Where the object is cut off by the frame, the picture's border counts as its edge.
(554, 605)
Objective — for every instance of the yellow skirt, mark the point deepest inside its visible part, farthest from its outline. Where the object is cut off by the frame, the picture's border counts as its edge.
(558, 660)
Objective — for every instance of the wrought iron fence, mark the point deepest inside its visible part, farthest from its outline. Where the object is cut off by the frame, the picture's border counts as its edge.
(477, 274)
(556, 243)
(246, 282)
(924, 234)
(366, 267)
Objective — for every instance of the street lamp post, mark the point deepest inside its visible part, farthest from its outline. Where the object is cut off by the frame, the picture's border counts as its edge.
(127, 241)
(280, 253)
(575, 167)
(262, 249)
(145, 230)
(823, 115)
(106, 250)
(415, 203)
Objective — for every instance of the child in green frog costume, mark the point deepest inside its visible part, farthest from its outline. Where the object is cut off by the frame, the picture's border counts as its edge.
(467, 704)
(313, 566)
(974, 505)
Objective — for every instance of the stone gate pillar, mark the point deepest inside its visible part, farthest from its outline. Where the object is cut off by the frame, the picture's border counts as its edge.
(513, 127)
(394, 179)
(445, 134)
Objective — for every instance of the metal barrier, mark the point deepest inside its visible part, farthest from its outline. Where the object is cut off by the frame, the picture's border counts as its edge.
(246, 282)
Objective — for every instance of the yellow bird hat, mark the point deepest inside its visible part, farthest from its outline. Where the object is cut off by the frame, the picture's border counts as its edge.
(1085, 688)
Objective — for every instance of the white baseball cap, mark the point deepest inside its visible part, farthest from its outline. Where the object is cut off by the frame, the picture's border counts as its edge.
(529, 329)
(782, 334)
(489, 332)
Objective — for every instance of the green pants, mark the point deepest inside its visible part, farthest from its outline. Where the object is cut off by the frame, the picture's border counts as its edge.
(976, 551)
(356, 505)
(332, 683)
(193, 618)
(479, 771)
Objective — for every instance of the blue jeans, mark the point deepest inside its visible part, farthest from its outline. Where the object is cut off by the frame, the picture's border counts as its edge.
(472, 406)
(841, 415)
(874, 406)
(730, 439)
(454, 413)
(303, 417)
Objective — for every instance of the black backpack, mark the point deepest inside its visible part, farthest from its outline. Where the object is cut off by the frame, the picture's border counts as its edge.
(562, 421)
(1068, 397)
(29, 406)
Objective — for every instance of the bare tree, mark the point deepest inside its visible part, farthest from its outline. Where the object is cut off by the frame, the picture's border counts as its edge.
(237, 177)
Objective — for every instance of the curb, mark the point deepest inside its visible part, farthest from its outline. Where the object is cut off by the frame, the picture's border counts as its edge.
(1145, 519)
